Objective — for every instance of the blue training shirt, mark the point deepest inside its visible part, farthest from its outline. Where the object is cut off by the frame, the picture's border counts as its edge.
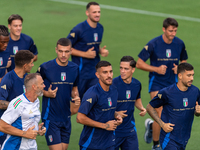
(65, 78)
(4, 56)
(100, 106)
(24, 43)
(161, 53)
(178, 109)
(127, 96)
(11, 86)
(84, 37)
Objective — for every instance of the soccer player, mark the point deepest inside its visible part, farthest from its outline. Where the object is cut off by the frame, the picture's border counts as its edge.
(20, 120)
(86, 38)
(129, 90)
(4, 55)
(19, 41)
(180, 102)
(12, 84)
(97, 112)
(165, 52)
(60, 99)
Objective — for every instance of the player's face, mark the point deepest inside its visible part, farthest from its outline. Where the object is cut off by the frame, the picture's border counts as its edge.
(187, 78)
(40, 86)
(126, 71)
(94, 13)
(15, 27)
(105, 75)
(63, 54)
(170, 32)
(3, 42)
(29, 66)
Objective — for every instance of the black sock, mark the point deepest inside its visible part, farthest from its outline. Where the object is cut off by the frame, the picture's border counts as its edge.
(155, 143)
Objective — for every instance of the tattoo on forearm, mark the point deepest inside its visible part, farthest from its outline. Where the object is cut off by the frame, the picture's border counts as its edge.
(153, 113)
(3, 104)
(107, 126)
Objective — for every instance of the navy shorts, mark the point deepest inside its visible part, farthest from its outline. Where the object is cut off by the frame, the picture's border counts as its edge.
(127, 143)
(85, 84)
(57, 132)
(169, 144)
(109, 148)
(154, 86)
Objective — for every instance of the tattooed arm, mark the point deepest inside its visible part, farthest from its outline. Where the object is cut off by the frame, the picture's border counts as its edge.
(167, 127)
(3, 104)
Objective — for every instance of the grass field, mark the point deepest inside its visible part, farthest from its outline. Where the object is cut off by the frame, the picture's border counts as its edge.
(126, 30)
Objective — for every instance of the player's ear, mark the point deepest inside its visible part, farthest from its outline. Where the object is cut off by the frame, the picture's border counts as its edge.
(87, 13)
(133, 70)
(180, 75)
(9, 26)
(97, 74)
(163, 28)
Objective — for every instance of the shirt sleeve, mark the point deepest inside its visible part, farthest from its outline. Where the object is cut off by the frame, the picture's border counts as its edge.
(139, 93)
(184, 55)
(76, 83)
(74, 36)
(88, 101)
(33, 47)
(159, 100)
(5, 88)
(13, 112)
(146, 52)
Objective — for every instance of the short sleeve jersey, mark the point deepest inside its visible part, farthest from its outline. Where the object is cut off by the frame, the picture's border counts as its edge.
(161, 53)
(99, 106)
(127, 96)
(22, 114)
(24, 43)
(63, 77)
(11, 86)
(178, 109)
(84, 37)
(4, 56)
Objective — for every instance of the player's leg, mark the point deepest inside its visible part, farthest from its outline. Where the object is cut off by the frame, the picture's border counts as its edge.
(65, 134)
(118, 142)
(130, 142)
(168, 144)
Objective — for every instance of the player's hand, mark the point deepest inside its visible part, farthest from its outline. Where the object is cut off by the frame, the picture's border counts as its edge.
(119, 119)
(122, 113)
(142, 112)
(104, 52)
(111, 125)
(197, 108)
(42, 129)
(162, 69)
(175, 68)
(168, 127)
(30, 133)
(76, 99)
(91, 53)
(9, 62)
(52, 93)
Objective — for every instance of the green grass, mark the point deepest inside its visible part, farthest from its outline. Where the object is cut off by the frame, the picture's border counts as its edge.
(125, 33)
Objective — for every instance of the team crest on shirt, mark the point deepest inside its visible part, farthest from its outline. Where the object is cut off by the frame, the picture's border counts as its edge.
(15, 49)
(109, 102)
(185, 102)
(95, 37)
(63, 76)
(128, 94)
(168, 53)
(50, 138)
(1, 61)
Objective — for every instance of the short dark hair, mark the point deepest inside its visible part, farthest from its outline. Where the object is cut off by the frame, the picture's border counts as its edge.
(170, 21)
(4, 30)
(30, 77)
(91, 3)
(23, 57)
(182, 67)
(64, 42)
(102, 64)
(129, 59)
(14, 17)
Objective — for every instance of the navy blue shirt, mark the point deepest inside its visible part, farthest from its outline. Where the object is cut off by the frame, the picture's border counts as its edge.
(127, 96)
(161, 53)
(24, 43)
(178, 109)
(63, 77)
(99, 106)
(4, 56)
(84, 37)
(11, 86)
